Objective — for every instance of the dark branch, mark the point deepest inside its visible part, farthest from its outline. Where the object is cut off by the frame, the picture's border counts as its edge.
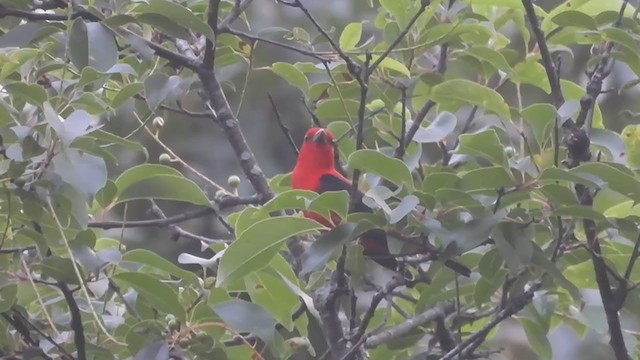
(552, 73)
(210, 46)
(224, 203)
(76, 321)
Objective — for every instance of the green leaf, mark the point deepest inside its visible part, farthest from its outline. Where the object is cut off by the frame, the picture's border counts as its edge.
(389, 168)
(125, 93)
(256, 246)
(158, 86)
(406, 205)
(541, 259)
(493, 57)
(271, 292)
(292, 75)
(575, 18)
(537, 336)
(243, 316)
(454, 93)
(149, 181)
(160, 295)
(58, 268)
(323, 247)
(622, 38)
(86, 172)
(441, 127)
(331, 202)
(178, 13)
(514, 244)
(31, 93)
(78, 44)
(533, 73)
(541, 118)
(486, 178)
(615, 176)
(148, 258)
(350, 36)
(485, 144)
(389, 63)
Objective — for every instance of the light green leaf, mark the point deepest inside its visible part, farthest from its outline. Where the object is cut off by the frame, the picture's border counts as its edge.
(256, 246)
(150, 181)
(178, 13)
(389, 168)
(351, 36)
(160, 295)
(389, 64)
(486, 144)
(148, 258)
(456, 92)
(292, 75)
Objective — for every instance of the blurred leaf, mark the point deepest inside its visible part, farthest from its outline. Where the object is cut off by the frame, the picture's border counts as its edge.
(324, 246)
(350, 36)
(160, 295)
(292, 75)
(494, 177)
(126, 93)
(485, 144)
(533, 73)
(78, 44)
(86, 172)
(270, 291)
(575, 18)
(149, 181)
(541, 259)
(158, 350)
(178, 13)
(329, 202)
(389, 64)
(406, 206)
(537, 336)
(243, 316)
(441, 127)
(389, 168)
(148, 258)
(31, 93)
(61, 269)
(158, 86)
(513, 241)
(256, 246)
(610, 141)
(455, 92)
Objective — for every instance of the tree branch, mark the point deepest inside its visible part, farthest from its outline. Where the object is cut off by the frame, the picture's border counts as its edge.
(401, 36)
(76, 321)
(547, 62)
(437, 312)
(210, 46)
(424, 110)
(238, 9)
(282, 126)
(224, 203)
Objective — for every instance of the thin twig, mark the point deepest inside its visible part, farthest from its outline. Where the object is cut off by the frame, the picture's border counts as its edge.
(282, 126)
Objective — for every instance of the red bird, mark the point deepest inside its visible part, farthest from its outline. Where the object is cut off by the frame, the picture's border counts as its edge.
(316, 171)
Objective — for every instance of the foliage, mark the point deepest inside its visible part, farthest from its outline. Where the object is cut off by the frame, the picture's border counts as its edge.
(534, 196)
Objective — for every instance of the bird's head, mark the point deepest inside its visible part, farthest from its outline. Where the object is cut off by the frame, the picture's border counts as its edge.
(317, 149)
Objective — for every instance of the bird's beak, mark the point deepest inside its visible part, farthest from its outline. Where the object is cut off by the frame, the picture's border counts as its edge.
(320, 137)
